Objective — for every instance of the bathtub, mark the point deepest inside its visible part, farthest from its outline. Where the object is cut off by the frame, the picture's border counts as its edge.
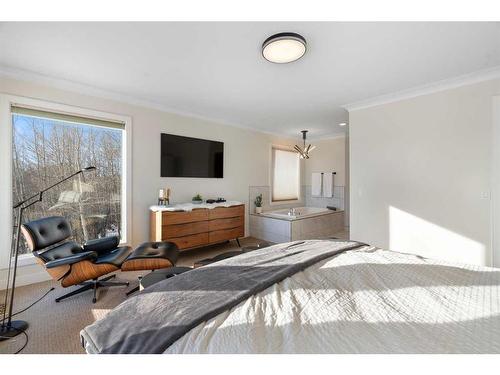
(297, 213)
(299, 223)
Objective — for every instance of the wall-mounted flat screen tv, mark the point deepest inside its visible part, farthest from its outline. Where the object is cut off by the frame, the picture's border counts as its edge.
(191, 157)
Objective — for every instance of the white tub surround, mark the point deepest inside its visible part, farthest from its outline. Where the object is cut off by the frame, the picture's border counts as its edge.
(191, 206)
(297, 213)
(300, 224)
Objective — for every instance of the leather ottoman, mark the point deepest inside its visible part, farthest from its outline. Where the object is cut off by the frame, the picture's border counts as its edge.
(151, 256)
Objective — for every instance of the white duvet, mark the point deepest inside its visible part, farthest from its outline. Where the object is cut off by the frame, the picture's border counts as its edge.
(363, 301)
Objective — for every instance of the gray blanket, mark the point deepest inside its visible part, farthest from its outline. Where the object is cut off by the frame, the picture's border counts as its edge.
(164, 312)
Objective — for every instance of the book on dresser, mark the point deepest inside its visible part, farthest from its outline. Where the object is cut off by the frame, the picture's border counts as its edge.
(198, 227)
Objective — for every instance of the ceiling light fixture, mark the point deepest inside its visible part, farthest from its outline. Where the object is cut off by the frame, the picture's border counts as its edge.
(304, 152)
(284, 48)
(343, 124)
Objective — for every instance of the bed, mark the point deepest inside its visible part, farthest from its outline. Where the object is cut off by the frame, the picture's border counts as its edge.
(317, 296)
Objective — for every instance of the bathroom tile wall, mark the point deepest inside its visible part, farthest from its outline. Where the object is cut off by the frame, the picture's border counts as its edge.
(306, 199)
(253, 191)
(336, 201)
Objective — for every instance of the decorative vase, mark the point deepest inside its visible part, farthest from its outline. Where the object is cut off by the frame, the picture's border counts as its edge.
(258, 210)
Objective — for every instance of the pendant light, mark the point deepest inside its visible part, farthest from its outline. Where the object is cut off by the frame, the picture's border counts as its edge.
(305, 150)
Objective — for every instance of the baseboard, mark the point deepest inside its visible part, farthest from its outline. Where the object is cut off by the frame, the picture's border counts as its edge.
(27, 279)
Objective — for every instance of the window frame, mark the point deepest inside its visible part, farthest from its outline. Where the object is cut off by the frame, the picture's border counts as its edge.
(271, 177)
(6, 132)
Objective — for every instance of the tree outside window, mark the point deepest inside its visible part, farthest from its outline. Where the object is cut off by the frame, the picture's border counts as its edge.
(46, 149)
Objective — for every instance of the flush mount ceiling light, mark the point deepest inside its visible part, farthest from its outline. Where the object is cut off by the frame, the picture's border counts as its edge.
(343, 124)
(304, 151)
(284, 48)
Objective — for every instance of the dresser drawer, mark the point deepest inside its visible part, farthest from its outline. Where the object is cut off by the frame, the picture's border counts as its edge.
(224, 212)
(180, 230)
(181, 217)
(225, 234)
(231, 222)
(190, 241)
(199, 227)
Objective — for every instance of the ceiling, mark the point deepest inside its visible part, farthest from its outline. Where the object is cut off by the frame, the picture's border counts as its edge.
(216, 71)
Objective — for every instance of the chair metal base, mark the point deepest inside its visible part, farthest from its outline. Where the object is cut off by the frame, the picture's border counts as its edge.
(94, 284)
(137, 288)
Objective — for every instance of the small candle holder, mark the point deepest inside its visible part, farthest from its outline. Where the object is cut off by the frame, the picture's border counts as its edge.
(161, 197)
(167, 196)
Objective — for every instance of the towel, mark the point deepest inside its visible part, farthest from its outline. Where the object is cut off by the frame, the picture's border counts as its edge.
(316, 184)
(328, 184)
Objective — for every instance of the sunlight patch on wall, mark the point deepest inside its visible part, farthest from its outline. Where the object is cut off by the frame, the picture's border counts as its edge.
(411, 234)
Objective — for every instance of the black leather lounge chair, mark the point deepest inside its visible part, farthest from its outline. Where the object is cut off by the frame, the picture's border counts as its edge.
(71, 263)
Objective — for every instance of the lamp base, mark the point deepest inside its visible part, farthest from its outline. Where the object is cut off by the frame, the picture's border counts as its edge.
(13, 329)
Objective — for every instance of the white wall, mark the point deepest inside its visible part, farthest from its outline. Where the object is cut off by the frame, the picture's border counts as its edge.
(246, 157)
(495, 181)
(347, 191)
(330, 155)
(420, 174)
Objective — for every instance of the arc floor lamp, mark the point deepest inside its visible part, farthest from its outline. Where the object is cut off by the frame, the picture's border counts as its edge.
(10, 328)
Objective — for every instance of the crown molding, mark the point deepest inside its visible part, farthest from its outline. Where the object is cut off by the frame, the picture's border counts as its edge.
(446, 84)
(83, 89)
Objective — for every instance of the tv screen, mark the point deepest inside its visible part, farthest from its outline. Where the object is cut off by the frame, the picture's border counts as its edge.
(191, 157)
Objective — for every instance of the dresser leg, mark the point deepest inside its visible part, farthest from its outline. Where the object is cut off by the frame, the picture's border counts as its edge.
(238, 242)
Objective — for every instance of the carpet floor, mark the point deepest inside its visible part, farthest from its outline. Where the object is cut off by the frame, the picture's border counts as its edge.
(55, 327)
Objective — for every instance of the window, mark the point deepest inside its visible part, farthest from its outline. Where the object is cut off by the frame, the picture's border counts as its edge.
(47, 146)
(285, 175)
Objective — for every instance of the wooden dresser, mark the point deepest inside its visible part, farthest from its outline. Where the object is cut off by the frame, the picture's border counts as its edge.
(199, 227)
